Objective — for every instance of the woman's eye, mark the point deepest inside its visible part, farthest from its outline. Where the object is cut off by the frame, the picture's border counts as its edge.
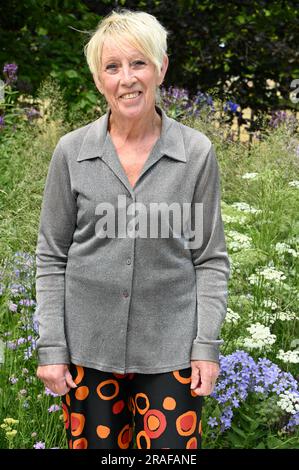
(111, 67)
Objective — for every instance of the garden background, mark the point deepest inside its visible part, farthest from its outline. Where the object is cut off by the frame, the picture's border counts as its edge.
(232, 75)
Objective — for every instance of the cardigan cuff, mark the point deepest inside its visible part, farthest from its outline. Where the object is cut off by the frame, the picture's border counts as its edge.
(206, 351)
(53, 355)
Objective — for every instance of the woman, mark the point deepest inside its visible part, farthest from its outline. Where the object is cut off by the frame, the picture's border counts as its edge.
(128, 316)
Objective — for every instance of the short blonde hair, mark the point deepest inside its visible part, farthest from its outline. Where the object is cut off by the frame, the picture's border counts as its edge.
(142, 30)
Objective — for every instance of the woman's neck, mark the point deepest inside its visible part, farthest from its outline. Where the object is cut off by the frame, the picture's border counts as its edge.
(129, 131)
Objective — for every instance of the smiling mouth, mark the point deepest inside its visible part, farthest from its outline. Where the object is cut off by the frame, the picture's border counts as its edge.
(130, 96)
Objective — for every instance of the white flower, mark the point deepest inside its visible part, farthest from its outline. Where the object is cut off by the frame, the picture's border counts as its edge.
(294, 184)
(289, 402)
(286, 316)
(238, 241)
(249, 176)
(230, 219)
(269, 273)
(260, 337)
(263, 316)
(253, 279)
(231, 316)
(285, 248)
(243, 206)
(282, 247)
(288, 356)
(268, 303)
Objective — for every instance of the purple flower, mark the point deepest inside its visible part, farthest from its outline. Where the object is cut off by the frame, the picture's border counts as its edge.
(54, 408)
(230, 106)
(281, 117)
(11, 345)
(27, 302)
(28, 353)
(212, 422)
(201, 99)
(16, 289)
(39, 445)
(49, 392)
(32, 113)
(21, 341)
(2, 122)
(293, 422)
(9, 71)
(240, 376)
(35, 323)
(178, 104)
(13, 380)
(12, 307)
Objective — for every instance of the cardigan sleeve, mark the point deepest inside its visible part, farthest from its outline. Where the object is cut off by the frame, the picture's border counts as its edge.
(56, 227)
(211, 263)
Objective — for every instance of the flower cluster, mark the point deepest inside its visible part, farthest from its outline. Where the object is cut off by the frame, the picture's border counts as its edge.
(10, 73)
(238, 241)
(261, 337)
(232, 107)
(10, 433)
(282, 117)
(250, 176)
(268, 273)
(283, 247)
(243, 206)
(178, 104)
(294, 184)
(289, 356)
(231, 316)
(289, 402)
(240, 376)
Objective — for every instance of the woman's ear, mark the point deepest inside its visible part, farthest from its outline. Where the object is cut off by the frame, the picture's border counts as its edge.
(163, 69)
(97, 83)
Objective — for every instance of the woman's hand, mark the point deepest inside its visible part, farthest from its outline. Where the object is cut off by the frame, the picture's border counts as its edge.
(56, 377)
(204, 376)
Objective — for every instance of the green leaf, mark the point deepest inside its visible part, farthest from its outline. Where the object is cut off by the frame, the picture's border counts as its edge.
(71, 73)
(236, 441)
(261, 445)
(238, 431)
(246, 417)
(92, 97)
(274, 443)
(41, 31)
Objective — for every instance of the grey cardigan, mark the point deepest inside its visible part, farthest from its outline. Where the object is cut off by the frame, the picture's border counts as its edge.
(129, 304)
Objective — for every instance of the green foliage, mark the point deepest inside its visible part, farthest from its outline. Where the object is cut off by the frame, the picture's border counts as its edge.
(231, 46)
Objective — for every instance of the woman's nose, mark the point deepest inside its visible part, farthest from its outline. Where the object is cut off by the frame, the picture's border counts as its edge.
(127, 75)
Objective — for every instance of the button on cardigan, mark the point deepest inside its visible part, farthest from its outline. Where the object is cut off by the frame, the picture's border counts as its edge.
(129, 304)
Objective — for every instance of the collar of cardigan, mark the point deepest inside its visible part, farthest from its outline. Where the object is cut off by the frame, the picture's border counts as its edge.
(171, 141)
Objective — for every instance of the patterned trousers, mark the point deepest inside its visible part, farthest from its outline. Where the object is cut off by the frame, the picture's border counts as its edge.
(124, 411)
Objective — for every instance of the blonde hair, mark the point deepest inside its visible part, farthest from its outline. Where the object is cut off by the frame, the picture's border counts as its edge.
(142, 30)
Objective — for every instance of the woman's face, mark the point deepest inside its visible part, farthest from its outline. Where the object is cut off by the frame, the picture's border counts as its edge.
(128, 80)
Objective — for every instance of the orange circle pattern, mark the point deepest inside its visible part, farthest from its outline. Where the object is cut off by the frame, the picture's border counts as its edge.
(154, 420)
